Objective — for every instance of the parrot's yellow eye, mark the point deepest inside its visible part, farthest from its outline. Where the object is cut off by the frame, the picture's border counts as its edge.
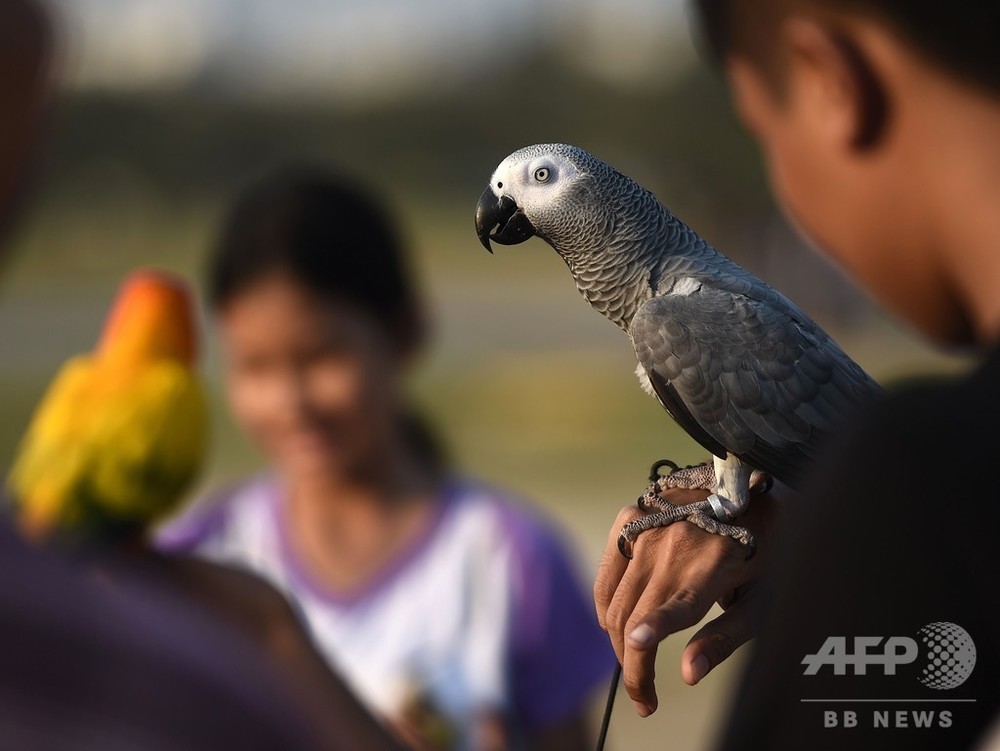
(542, 174)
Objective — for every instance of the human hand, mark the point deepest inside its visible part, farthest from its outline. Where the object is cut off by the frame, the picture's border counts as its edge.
(420, 723)
(675, 575)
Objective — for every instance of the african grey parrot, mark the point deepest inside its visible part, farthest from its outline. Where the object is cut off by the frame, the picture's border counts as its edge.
(740, 367)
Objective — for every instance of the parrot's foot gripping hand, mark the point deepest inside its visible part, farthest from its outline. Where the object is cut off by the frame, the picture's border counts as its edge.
(701, 477)
(713, 514)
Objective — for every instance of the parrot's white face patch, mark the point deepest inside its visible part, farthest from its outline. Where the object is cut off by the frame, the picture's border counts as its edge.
(535, 182)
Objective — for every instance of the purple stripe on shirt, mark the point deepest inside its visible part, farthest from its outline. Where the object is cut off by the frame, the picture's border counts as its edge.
(303, 576)
(558, 653)
(195, 527)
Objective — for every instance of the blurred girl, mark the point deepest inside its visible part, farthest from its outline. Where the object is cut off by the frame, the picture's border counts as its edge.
(453, 612)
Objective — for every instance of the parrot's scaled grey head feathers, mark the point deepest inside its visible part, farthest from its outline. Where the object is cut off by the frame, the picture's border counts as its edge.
(549, 190)
(613, 234)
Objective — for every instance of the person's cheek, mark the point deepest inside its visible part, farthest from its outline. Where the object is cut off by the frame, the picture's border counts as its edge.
(335, 386)
(251, 402)
(357, 398)
(336, 400)
(796, 191)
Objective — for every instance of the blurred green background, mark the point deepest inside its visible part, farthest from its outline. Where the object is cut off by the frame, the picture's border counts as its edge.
(529, 387)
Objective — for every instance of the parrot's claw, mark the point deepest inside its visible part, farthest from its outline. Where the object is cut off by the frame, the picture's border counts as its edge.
(625, 543)
(662, 513)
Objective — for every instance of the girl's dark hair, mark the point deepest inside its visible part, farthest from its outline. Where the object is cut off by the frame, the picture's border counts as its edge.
(326, 233)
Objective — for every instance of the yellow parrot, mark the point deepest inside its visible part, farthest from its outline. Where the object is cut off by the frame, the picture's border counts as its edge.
(120, 434)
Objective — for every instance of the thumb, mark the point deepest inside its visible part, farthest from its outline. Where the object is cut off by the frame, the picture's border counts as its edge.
(717, 640)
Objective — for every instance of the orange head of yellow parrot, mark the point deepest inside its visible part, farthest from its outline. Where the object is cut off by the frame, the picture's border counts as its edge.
(151, 319)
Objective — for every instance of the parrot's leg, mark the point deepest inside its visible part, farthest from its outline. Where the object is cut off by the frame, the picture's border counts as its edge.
(729, 500)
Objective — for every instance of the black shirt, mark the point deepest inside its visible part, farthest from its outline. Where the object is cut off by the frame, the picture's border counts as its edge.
(898, 535)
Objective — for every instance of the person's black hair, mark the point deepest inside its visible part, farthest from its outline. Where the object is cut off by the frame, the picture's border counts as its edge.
(959, 36)
(326, 233)
(335, 238)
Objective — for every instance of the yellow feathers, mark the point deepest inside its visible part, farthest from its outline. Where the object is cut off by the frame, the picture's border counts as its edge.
(120, 434)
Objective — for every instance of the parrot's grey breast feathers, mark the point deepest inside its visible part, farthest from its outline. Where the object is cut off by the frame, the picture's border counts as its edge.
(747, 376)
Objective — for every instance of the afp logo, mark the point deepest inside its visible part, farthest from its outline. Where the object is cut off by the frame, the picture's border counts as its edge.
(945, 650)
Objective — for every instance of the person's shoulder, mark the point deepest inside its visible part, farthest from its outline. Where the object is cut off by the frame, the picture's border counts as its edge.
(557, 652)
(916, 439)
(210, 515)
(535, 549)
(517, 519)
(937, 413)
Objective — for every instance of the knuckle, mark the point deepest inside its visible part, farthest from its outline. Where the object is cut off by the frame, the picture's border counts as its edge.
(720, 647)
(690, 599)
(633, 685)
(602, 592)
(673, 540)
(656, 548)
(625, 515)
(616, 617)
(732, 551)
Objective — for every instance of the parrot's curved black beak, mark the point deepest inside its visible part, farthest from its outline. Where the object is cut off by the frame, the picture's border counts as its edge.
(503, 213)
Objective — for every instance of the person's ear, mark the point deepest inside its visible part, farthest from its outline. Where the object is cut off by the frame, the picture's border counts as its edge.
(753, 97)
(839, 81)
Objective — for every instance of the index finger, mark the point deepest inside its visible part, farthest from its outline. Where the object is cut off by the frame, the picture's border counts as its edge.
(654, 620)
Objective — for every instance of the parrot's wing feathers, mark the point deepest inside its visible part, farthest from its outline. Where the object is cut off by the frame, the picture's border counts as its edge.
(47, 452)
(152, 445)
(676, 408)
(744, 376)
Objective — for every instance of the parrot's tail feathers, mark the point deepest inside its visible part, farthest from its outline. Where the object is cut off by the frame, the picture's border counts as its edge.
(38, 515)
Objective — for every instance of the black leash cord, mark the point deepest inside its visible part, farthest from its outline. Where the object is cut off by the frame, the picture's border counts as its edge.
(608, 707)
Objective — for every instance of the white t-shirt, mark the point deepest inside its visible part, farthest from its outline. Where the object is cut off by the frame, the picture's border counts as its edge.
(482, 612)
